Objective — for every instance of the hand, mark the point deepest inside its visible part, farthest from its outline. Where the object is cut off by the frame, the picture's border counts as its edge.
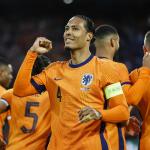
(41, 45)
(133, 126)
(87, 113)
(146, 60)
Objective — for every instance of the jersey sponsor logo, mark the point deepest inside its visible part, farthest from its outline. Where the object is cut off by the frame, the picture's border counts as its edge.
(87, 79)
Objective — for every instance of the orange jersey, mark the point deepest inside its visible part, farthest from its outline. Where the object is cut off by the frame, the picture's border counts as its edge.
(115, 133)
(3, 115)
(144, 106)
(2, 90)
(133, 93)
(78, 86)
(29, 125)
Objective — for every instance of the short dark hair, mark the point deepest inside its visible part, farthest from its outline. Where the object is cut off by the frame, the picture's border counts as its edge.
(90, 26)
(147, 38)
(105, 30)
(41, 62)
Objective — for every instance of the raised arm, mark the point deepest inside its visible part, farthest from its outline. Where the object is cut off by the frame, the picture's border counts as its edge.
(24, 85)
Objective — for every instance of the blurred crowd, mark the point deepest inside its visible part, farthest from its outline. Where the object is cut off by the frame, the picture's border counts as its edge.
(18, 34)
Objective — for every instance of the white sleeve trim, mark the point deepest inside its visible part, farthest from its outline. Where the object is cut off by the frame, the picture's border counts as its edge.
(5, 102)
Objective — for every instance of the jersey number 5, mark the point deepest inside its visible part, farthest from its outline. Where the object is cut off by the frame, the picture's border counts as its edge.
(31, 115)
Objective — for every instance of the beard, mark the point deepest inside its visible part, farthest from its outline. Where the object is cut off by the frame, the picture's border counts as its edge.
(68, 49)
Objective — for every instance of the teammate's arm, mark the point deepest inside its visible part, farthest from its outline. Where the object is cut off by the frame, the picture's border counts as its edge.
(23, 85)
(140, 79)
(117, 108)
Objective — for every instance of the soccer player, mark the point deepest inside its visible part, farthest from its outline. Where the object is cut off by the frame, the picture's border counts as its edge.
(28, 126)
(5, 80)
(143, 103)
(82, 82)
(107, 44)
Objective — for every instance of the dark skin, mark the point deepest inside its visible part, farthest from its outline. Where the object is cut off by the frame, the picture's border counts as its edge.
(133, 127)
(87, 114)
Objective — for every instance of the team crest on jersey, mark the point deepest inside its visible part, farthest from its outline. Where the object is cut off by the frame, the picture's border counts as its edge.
(87, 79)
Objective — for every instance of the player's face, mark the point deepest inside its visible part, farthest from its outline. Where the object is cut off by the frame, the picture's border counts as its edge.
(6, 75)
(75, 35)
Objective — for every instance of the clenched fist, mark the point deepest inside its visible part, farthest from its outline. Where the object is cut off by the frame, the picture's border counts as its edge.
(41, 45)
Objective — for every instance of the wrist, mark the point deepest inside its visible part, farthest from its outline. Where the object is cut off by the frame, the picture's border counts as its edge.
(98, 115)
(32, 54)
(32, 49)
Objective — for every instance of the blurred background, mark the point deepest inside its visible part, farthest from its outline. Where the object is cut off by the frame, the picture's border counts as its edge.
(21, 21)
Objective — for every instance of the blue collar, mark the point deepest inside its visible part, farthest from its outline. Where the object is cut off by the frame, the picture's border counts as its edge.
(81, 64)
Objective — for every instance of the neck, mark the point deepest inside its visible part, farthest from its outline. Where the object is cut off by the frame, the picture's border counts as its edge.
(78, 56)
(102, 53)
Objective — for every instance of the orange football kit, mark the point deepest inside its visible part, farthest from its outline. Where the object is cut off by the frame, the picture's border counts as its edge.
(29, 125)
(2, 116)
(77, 86)
(143, 103)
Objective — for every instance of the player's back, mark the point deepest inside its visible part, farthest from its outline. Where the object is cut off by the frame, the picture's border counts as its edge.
(115, 132)
(30, 121)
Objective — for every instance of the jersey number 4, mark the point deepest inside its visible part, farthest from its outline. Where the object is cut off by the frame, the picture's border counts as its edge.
(59, 94)
(31, 115)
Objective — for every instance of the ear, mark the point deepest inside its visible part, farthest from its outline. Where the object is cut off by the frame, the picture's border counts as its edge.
(112, 42)
(144, 49)
(89, 36)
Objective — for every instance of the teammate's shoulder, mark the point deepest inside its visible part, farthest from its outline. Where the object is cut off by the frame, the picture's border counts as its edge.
(104, 62)
(10, 91)
(99, 60)
(121, 65)
(2, 90)
(8, 94)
